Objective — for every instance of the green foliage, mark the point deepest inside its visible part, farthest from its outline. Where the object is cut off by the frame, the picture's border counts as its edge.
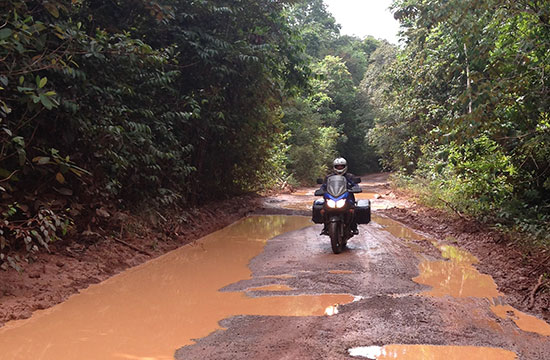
(326, 123)
(159, 102)
(356, 54)
(333, 106)
(464, 106)
(312, 144)
(475, 177)
(318, 28)
(21, 229)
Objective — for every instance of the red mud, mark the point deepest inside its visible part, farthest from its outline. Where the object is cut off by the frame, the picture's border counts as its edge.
(74, 265)
(92, 257)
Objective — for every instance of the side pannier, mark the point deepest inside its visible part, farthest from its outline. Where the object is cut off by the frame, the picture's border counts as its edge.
(362, 212)
(317, 217)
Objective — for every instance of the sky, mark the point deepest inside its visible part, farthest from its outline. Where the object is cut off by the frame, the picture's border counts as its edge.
(365, 17)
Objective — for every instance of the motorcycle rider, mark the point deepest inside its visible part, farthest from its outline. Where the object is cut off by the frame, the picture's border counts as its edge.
(340, 167)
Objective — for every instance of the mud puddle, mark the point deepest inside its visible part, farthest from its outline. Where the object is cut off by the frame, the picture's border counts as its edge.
(149, 311)
(457, 277)
(397, 229)
(524, 321)
(365, 196)
(432, 352)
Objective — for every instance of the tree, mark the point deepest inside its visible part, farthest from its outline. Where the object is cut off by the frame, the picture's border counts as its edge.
(164, 102)
(472, 76)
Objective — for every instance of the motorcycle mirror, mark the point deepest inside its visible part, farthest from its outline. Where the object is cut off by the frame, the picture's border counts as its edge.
(319, 192)
(357, 180)
(320, 181)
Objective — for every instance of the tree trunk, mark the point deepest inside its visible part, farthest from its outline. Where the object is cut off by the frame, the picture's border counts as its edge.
(468, 80)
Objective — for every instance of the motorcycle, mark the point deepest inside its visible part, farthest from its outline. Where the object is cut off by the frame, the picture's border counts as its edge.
(337, 210)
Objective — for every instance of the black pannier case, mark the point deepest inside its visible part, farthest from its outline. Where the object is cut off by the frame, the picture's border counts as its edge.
(362, 212)
(316, 211)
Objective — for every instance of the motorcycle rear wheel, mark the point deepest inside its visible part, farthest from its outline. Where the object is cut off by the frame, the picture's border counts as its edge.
(336, 237)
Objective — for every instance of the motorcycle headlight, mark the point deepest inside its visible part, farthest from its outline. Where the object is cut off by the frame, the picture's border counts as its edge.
(340, 203)
(331, 203)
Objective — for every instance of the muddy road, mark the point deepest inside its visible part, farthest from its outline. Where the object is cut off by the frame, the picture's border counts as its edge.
(269, 287)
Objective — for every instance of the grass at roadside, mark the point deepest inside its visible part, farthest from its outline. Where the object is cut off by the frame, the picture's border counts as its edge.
(522, 226)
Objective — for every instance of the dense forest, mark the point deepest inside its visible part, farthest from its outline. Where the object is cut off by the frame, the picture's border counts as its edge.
(165, 103)
(467, 104)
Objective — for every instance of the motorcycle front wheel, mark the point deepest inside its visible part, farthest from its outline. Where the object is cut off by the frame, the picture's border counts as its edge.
(336, 237)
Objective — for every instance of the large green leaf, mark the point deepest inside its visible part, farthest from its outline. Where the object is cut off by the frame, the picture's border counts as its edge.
(48, 104)
(5, 33)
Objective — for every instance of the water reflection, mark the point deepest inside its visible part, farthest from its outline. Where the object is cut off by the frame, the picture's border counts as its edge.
(397, 229)
(455, 279)
(151, 310)
(331, 310)
(456, 255)
(431, 352)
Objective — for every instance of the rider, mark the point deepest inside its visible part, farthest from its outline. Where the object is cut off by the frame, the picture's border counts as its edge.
(340, 167)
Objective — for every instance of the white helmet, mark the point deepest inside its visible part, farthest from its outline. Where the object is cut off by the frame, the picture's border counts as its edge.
(340, 166)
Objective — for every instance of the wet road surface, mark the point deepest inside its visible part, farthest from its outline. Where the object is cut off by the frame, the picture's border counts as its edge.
(270, 287)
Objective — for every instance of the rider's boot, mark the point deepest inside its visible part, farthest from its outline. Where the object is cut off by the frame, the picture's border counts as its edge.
(353, 228)
(325, 230)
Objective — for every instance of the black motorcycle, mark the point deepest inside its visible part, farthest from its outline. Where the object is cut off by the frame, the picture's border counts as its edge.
(337, 210)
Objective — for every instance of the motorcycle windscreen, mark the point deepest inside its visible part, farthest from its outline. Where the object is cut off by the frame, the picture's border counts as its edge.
(336, 185)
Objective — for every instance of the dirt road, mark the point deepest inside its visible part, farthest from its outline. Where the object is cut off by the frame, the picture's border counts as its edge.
(409, 290)
(269, 287)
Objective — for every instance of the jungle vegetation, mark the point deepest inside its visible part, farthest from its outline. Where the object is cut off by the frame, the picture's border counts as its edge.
(466, 101)
(159, 103)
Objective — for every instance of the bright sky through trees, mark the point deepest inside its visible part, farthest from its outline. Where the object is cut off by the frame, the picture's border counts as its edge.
(365, 17)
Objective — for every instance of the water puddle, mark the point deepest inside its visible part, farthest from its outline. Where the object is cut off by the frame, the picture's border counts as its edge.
(274, 287)
(397, 229)
(431, 352)
(458, 278)
(524, 321)
(151, 310)
(365, 196)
